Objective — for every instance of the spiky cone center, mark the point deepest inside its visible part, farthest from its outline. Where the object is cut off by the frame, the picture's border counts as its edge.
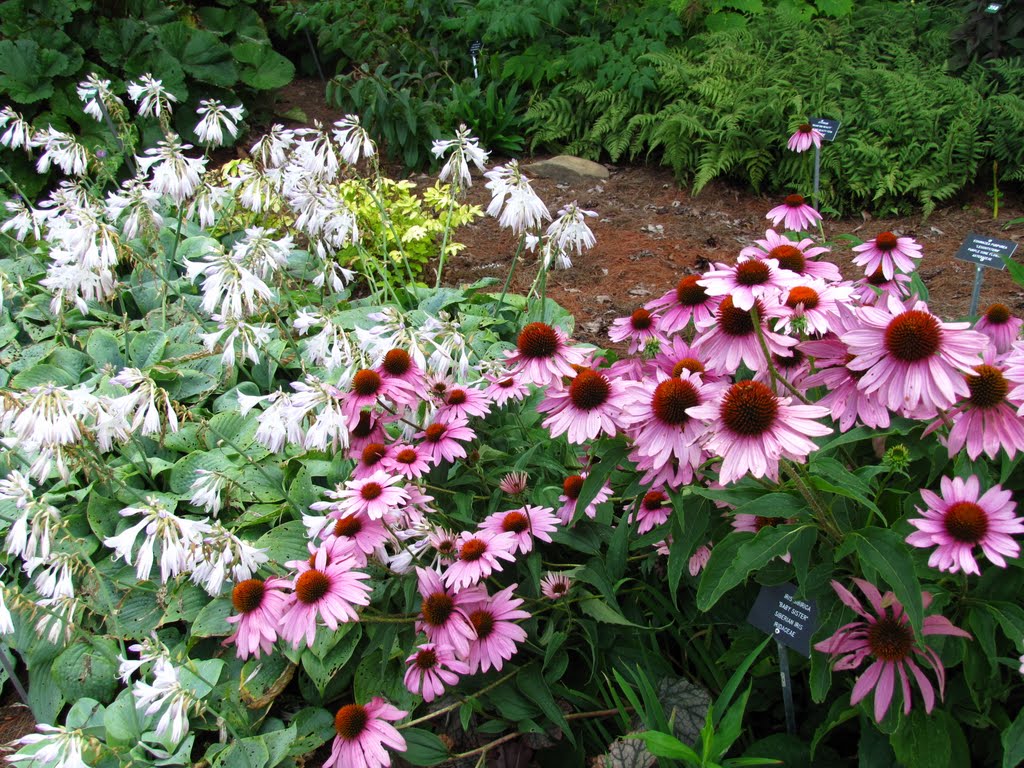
(406, 456)
(749, 408)
(397, 362)
(886, 242)
(364, 426)
(803, 294)
(311, 586)
(373, 453)
(435, 432)
(752, 272)
(247, 595)
(440, 388)
(794, 201)
(789, 363)
(559, 587)
(537, 341)
(426, 659)
(671, 399)
(736, 322)
(366, 382)
(437, 609)
(805, 128)
(913, 336)
(483, 623)
(654, 500)
(789, 257)
(998, 314)
(988, 386)
(689, 293)
(572, 486)
(371, 491)
(966, 522)
(456, 397)
(472, 550)
(515, 522)
(589, 390)
(350, 721)
(767, 522)
(877, 278)
(506, 383)
(641, 320)
(347, 527)
(691, 364)
(890, 639)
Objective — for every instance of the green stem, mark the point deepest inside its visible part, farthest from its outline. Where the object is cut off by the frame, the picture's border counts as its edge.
(444, 239)
(452, 707)
(775, 376)
(512, 268)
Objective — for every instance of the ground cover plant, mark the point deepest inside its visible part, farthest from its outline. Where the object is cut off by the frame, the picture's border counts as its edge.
(270, 487)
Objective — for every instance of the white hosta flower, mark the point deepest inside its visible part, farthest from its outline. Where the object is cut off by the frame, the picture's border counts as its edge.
(257, 190)
(62, 150)
(52, 415)
(17, 132)
(71, 283)
(52, 747)
(138, 204)
(21, 220)
(451, 354)
(230, 289)
(96, 95)
(206, 203)
(354, 140)
(206, 490)
(174, 173)
(166, 693)
(513, 199)
(464, 148)
(223, 554)
(33, 532)
(149, 649)
(261, 253)
(390, 330)
(178, 538)
(332, 275)
(331, 347)
(317, 154)
(568, 234)
(54, 580)
(153, 99)
(217, 118)
(272, 150)
(140, 404)
(6, 620)
(250, 338)
(57, 618)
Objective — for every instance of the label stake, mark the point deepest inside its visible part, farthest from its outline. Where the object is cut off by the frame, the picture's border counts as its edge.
(787, 687)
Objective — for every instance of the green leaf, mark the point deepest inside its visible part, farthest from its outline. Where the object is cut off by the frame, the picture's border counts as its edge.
(147, 348)
(662, 745)
(104, 349)
(200, 54)
(1010, 617)
(27, 72)
(262, 680)
(531, 682)
(212, 619)
(286, 542)
(265, 69)
(596, 608)
(773, 505)
(423, 747)
(887, 553)
(1013, 742)
(186, 470)
(921, 741)
(835, 8)
(41, 374)
(322, 670)
(120, 720)
(740, 553)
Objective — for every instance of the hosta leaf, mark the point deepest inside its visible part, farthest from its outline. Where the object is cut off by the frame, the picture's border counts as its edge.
(186, 470)
(200, 54)
(212, 619)
(27, 71)
(88, 670)
(265, 69)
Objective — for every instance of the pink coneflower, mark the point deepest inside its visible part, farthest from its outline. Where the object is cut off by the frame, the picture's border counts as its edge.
(805, 137)
(816, 303)
(795, 213)
(877, 288)
(375, 495)
(986, 421)
(555, 586)
(398, 364)
(325, 589)
(369, 459)
(795, 255)
(752, 429)
(359, 535)
(678, 357)
(505, 387)
(571, 487)
(671, 474)
(1001, 327)
(687, 301)
(653, 509)
(368, 429)
(843, 397)
(756, 523)
(888, 253)
(367, 387)
(442, 441)
(958, 521)
(888, 639)
(590, 406)
(657, 419)
(514, 483)
(362, 734)
(732, 338)
(497, 633)
(793, 369)
(260, 605)
(747, 280)
(912, 360)
(479, 556)
(525, 524)
(409, 461)
(638, 329)
(445, 618)
(699, 559)
(445, 545)
(460, 402)
(431, 668)
(543, 356)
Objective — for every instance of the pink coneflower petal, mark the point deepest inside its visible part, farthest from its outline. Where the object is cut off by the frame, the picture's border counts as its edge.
(479, 555)
(543, 355)
(260, 605)
(888, 253)
(639, 329)
(525, 524)
(748, 279)
(590, 406)
(497, 634)
(805, 137)
(555, 586)
(362, 732)
(795, 214)
(1001, 327)
(571, 487)
(687, 302)
(797, 256)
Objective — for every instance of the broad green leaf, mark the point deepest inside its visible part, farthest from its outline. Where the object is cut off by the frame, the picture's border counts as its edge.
(262, 680)
(200, 54)
(423, 747)
(105, 349)
(286, 542)
(27, 71)
(1013, 742)
(267, 69)
(596, 608)
(531, 682)
(88, 670)
(663, 745)
(146, 348)
(212, 619)
(921, 741)
(41, 374)
(773, 505)
(887, 553)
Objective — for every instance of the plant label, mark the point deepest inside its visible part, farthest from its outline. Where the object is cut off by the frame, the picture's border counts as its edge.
(993, 8)
(828, 129)
(475, 47)
(986, 251)
(791, 621)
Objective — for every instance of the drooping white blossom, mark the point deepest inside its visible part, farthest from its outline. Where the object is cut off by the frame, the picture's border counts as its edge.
(513, 200)
(152, 98)
(355, 143)
(216, 118)
(174, 173)
(52, 746)
(464, 149)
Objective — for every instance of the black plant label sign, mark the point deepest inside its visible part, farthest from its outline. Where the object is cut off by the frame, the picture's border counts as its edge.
(475, 47)
(777, 612)
(828, 129)
(987, 251)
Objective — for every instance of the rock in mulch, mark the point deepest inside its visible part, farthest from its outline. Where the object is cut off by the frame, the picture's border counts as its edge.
(567, 169)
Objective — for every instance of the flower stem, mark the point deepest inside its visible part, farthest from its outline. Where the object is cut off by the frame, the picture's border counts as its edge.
(772, 372)
(512, 268)
(456, 705)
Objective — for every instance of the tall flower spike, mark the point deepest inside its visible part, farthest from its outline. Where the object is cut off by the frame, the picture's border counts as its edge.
(153, 99)
(513, 200)
(464, 150)
(216, 118)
